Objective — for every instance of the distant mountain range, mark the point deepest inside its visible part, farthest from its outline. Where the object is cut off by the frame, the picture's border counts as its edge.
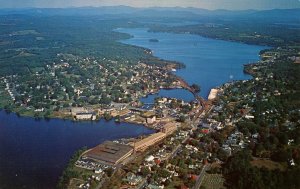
(275, 15)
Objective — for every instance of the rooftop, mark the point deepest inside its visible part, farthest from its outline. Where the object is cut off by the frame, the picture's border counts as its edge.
(109, 152)
(150, 138)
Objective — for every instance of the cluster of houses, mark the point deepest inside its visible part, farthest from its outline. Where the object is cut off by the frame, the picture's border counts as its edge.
(10, 90)
(155, 160)
(132, 180)
(61, 84)
(235, 141)
(172, 107)
(98, 171)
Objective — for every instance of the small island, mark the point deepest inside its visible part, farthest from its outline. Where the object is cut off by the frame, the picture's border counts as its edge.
(154, 40)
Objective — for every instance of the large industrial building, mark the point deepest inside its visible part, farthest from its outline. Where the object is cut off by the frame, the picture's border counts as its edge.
(109, 153)
(148, 141)
(166, 130)
(81, 113)
(112, 153)
(169, 128)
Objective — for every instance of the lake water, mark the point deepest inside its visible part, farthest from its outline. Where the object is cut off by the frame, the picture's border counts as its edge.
(209, 62)
(33, 153)
(173, 93)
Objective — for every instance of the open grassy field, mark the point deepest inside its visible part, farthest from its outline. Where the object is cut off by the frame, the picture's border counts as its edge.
(269, 164)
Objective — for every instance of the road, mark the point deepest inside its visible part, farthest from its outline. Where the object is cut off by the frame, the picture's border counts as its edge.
(203, 107)
(201, 177)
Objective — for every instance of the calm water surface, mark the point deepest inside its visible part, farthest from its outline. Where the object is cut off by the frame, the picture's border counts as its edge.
(173, 93)
(209, 62)
(33, 152)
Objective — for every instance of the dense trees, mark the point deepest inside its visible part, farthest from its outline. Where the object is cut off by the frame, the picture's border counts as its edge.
(251, 32)
(69, 171)
(278, 129)
(196, 88)
(241, 174)
(93, 38)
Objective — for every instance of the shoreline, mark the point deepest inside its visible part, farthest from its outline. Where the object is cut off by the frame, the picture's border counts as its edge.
(168, 64)
(216, 38)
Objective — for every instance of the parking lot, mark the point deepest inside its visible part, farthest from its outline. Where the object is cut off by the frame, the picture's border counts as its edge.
(90, 164)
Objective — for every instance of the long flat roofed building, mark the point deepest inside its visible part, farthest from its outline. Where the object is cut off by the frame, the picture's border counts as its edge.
(169, 128)
(150, 140)
(109, 153)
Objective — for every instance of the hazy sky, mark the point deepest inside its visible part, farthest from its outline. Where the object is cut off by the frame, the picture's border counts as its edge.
(208, 4)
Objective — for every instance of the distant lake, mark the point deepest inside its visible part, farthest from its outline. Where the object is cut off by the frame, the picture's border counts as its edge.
(172, 23)
(33, 153)
(209, 62)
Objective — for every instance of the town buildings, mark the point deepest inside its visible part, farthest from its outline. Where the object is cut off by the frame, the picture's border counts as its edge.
(110, 153)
